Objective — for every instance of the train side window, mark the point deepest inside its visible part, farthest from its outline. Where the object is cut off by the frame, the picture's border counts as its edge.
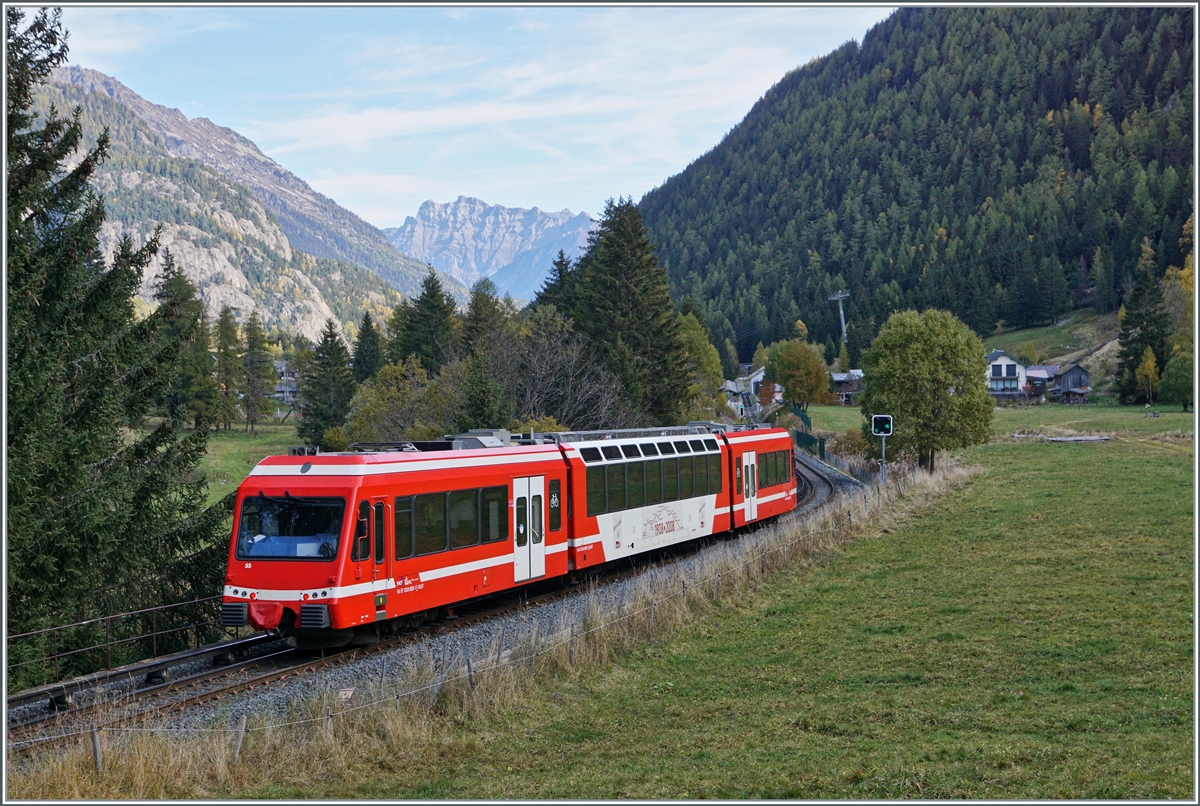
(737, 472)
(464, 518)
(682, 447)
(611, 451)
(378, 533)
(759, 461)
(616, 488)
(701, 474)
(714, 473)
(631, 451)
(495, 513)
(670, 479)
(361, 549)
(555, 505)
(685, 477)
(522, 521)
(654, 482)
(763, 472)
(595, 491)
(697, 445)
(404, 547)
(665, 449)
(535, 528)
(430, 523)
(787, 463)
(648, 449)
(635, 484)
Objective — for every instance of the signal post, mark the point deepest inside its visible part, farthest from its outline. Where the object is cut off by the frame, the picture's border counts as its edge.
(881, 426)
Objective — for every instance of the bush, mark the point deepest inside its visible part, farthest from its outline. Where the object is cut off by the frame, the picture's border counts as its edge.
(850, 443)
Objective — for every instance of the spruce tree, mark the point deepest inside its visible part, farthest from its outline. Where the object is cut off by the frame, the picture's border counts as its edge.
(100, 507)
(428, 330)
(395, 329)
(624, 306)
(326, 387)
(368, 350)
(485, 314)
(559, 288)
(1146, 324)
(227, 368)
(258, 378)
(194, 391)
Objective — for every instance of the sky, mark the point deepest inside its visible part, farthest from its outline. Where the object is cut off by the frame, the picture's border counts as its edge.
(383, 107)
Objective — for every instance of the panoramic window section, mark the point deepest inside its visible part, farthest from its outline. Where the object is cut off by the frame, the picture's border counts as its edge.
(616, 488)
(711, 444)
(697, 445)
(654, 482)
(631, 451)
(611, 452)
(596, 491)
(590, 454)
(379, 545)
(701, 474)
(685, 478)
(666, 449)
(671, 479)
(648, 449)
(271, 528)
(714, 473)
(682, 447)
(635, 484)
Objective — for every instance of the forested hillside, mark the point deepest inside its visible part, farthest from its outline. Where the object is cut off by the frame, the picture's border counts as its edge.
(1004, 164)
(232, 248)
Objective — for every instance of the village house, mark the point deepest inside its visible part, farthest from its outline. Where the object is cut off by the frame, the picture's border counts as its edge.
(285, 387)
(847, 384)
(1006, 376)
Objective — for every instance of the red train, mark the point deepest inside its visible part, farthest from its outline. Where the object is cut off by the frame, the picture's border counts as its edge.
(333, 548)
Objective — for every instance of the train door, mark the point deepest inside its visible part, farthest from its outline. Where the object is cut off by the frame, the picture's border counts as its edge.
(529, 544)
(382, 561)
(749, 472)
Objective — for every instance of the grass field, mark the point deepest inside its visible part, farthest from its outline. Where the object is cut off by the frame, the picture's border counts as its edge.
(1082, 330)
(1028, 635)
(232, 454)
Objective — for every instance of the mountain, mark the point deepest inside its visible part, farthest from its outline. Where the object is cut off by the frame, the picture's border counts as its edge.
(469, 239)
(1001, 163)
(224, 239)
(313, 223)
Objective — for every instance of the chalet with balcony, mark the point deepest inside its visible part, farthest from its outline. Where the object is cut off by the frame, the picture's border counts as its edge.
(1005, 376)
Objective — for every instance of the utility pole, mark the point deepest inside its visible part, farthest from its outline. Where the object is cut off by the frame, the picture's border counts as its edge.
(839, 296)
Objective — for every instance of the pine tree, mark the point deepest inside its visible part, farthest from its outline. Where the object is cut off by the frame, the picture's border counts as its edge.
(395, 329)
(624, 306)
(368, 350)
(483, 400)
(96, 501)
(258, 378)
(429, 326)
(228, 367)
(326, 387)
(1145, 324)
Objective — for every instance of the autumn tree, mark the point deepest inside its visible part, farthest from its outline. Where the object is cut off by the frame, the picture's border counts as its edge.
(800, 370)
(928, 371)
(1147, 376)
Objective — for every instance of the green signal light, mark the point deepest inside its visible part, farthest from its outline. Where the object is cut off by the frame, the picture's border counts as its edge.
(881, 425)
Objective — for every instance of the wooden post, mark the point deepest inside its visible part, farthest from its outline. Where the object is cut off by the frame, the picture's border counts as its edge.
(716, 581)
(382, 672)
(107, 646)
(571, 649)
(97, 755)
(850, 519)
(154, 632)
(329, 722)
(237, 742)
(470, 673)
(763, 564)
(651, 611)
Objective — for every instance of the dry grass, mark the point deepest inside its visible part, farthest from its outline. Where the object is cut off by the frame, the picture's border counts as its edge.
(415, 714)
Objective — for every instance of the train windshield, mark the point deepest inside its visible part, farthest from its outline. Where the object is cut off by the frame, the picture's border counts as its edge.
(294, 528)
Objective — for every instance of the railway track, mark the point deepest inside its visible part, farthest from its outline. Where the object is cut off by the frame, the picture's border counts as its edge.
(136, 704)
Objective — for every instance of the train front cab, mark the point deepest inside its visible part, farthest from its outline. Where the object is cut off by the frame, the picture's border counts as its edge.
(407, 543)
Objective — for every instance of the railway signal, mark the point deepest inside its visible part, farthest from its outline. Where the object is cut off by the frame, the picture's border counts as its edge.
(881, 426)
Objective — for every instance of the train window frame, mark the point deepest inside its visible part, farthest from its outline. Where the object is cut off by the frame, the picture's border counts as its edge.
(687, 490)
(715, 472)
(362, 534)
(700, 475)
(698, 445)
(554, 496)
(521, 514)
(611, 452)
(649, 449)
(613, 473)
(404, 509)
(631, 452)
(597, 493)
(653, 476)
(450, 532)
(380, 542)
(670, 479)
(711, 444)
(498, 495)
(682, 447)
(535, 519)
(637, 469)
(737, 472)
(590, 454)
(418, 501)
(666, 449)
(337, 538)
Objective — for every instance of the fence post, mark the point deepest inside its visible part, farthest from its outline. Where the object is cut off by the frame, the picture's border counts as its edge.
(154, 633)
(470, 673)
(97, 755)
(716, 581)
(54, 637)
(382, 672)
(329, 723)
(571, 650)
(237, 742)
(850, 519)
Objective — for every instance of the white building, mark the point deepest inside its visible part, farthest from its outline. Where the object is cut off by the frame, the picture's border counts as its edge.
(1006, 376)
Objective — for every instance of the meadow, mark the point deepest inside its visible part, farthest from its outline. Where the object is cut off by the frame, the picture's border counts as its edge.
(1023, 633)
